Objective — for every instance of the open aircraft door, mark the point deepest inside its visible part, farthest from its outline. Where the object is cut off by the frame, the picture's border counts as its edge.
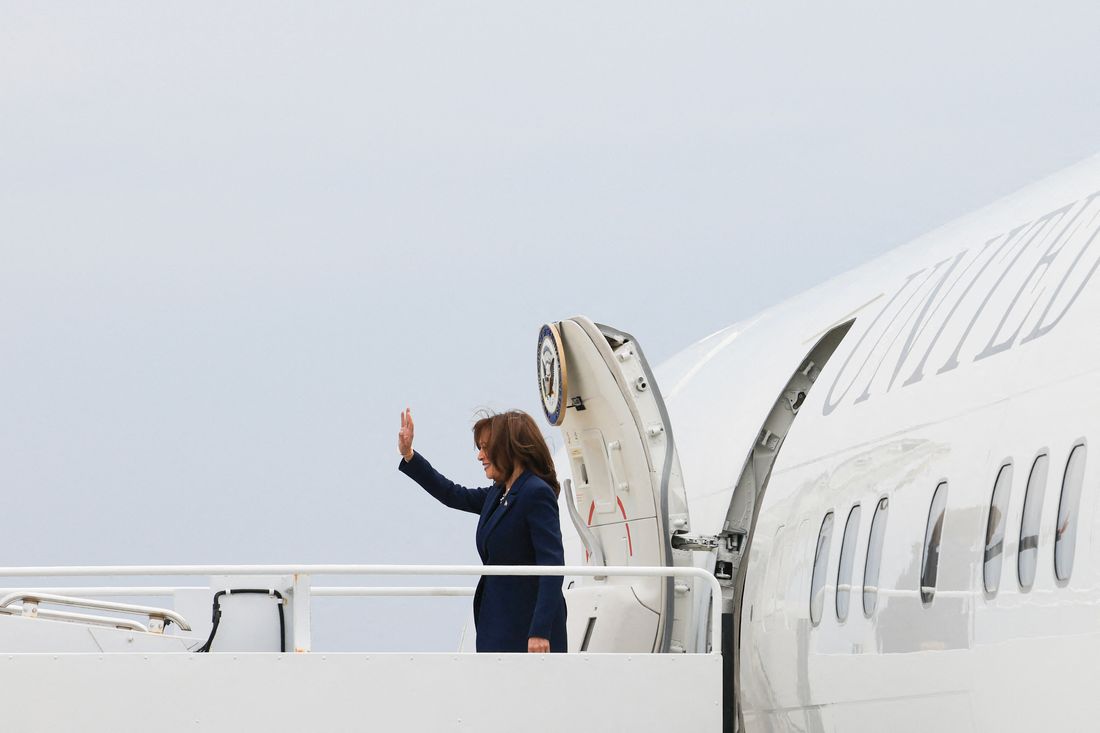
(626, 496)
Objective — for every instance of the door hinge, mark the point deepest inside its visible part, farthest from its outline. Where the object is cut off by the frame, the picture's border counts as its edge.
(697, 543)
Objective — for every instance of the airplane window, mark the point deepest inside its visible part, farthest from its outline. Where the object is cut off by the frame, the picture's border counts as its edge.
(847, 558)
(995, 529)
(1029, 526)
(874, 556)
(933, 533)
(1065, 532)
(821, 561)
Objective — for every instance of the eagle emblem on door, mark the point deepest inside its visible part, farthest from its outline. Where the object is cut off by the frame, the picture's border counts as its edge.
(551, 373)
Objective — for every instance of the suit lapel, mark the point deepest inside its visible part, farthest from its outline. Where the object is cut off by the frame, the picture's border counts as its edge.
(498, 512)
(491, 500)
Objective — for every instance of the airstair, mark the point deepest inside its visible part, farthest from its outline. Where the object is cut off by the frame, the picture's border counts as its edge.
(236, 654)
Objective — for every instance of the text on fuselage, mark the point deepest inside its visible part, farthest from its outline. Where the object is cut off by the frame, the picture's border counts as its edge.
(1013, 289)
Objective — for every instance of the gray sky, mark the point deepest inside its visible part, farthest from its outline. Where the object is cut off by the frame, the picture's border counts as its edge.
(238, 238)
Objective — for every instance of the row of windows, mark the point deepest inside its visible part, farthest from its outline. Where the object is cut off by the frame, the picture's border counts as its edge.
(1065, 537)
(1065, 528)
(847, 560)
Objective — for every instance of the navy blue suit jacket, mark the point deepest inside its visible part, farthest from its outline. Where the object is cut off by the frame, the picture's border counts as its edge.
(524, 529)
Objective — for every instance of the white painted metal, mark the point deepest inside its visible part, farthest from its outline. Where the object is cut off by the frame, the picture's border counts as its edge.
(629, 495)
(300, 610)
(428, 692)
(486, 693)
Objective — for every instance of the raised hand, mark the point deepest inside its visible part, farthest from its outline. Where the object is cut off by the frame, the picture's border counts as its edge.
(405, 435)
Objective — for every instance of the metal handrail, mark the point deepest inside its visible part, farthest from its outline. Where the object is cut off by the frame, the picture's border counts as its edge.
(589, 539)
(108, 590)
(45, 613)
(399, 591)
(320, 591)
(162, 614)
(302, 573)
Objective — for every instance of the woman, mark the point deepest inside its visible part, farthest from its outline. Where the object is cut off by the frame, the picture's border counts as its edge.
(518, 526)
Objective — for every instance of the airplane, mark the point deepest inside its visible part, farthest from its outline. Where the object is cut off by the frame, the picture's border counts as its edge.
(882, 485)
(888, 475)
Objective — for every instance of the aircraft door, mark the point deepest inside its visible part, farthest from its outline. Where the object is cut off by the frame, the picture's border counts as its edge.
(626, 495)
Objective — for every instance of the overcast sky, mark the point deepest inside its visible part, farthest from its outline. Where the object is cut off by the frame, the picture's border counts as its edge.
(238, 238)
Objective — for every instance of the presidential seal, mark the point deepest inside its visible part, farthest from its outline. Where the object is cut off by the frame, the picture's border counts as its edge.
(551, 372)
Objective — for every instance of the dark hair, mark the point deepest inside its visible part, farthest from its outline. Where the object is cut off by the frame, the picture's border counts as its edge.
(513, 439)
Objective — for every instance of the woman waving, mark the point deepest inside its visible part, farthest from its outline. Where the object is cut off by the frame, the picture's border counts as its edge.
(518, 525)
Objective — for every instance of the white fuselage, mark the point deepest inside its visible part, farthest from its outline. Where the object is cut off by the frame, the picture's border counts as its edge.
(972, 348)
